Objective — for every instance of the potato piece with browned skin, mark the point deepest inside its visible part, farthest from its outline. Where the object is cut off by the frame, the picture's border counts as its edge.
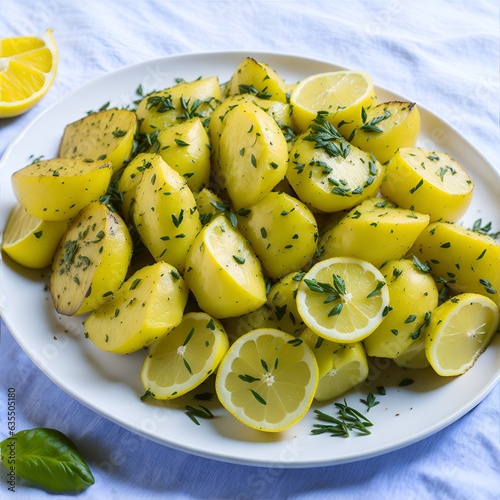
(91, 261)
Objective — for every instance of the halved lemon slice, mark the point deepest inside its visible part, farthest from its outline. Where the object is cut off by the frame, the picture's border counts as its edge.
(342, 93)
(28, 66)
(30, 241)
(459, 331)
(267, 379)
(185, 357)
(342, 299)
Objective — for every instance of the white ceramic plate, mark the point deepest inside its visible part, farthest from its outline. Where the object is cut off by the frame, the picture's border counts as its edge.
(110, 385)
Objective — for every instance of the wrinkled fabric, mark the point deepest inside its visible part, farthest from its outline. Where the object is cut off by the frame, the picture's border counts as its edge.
(442, 54)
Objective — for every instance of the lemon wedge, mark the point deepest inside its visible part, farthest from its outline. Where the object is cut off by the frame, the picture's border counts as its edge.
(30, 241)
(28, 66)
(267, 379)
(185, 357)
(343, 94)
(460, 330)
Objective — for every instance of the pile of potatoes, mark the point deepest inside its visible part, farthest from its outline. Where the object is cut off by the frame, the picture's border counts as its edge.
(214, 197)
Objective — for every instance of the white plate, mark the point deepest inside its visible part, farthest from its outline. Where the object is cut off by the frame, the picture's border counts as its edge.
(109, 384)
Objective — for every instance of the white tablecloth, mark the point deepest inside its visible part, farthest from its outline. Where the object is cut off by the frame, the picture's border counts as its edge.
(442, 54)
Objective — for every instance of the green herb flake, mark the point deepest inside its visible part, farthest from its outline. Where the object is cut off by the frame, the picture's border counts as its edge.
(258, 397)
(135, 283)
(405, 382)
(248, 378)
(380, 285)
(371, 126)
(200, 412)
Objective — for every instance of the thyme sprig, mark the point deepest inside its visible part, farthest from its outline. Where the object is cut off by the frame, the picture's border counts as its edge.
(250, 89)
(370, 401)
(347, 420)
(335, 292)
(326, 137)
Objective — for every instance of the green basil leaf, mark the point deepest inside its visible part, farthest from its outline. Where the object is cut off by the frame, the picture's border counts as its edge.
(47, 457)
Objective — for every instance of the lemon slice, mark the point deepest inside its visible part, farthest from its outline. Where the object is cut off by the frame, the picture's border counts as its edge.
(29, 241)
(342, 93)
(341, 366)
(267, 379)
(459, 331)
(342, 299)
(185, 357)
(28, 66)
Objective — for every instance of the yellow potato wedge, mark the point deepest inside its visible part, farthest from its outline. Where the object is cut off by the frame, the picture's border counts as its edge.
(464, 260)
(160, 110)
(327, 173)
(58, 189)
(431, 182)
(104, 135)
(186, 148)
(282, 231)
(413, 296)
(376, 231)
(165, 214)
(129, 179)
(257, 78)
(147, 306)
(281, 300)
(252, 154)
(209, 205)
(387, 127)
